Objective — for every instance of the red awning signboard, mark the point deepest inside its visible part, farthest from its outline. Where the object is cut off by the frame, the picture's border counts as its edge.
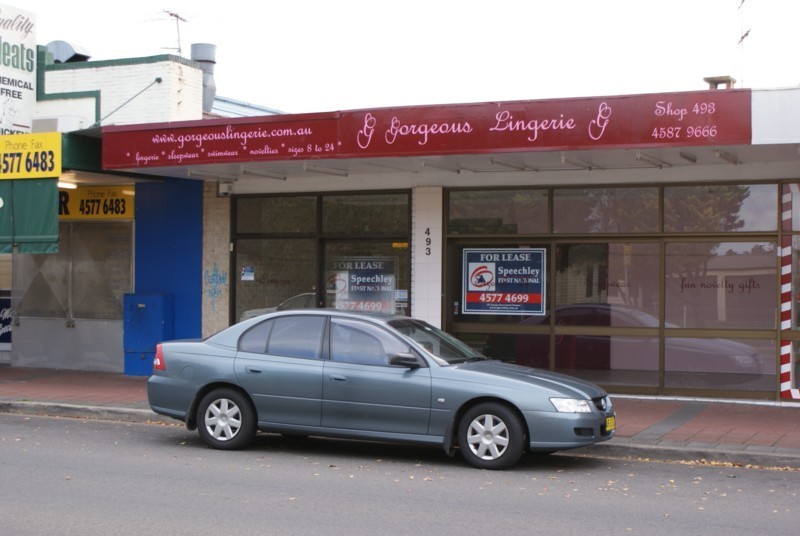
(634, 121)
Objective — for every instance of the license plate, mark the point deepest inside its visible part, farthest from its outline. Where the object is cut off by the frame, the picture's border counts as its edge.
(611, 423)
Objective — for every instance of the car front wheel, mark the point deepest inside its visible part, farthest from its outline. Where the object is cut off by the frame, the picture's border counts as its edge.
(490, 436)
(226, 420)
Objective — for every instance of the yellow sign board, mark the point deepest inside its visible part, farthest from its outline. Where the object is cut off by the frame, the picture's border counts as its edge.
(30, 156)
(96, 203)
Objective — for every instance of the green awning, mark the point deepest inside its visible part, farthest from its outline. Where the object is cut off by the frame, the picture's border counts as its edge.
(29, 215)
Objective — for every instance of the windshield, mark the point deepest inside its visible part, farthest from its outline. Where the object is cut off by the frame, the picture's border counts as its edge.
(436, 341)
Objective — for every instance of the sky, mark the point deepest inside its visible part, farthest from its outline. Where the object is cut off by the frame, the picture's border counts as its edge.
(324, 55)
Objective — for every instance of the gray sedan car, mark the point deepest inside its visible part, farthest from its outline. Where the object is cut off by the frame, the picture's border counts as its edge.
(391, 378)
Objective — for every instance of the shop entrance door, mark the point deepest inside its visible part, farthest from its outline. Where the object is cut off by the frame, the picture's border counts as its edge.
(275, 275)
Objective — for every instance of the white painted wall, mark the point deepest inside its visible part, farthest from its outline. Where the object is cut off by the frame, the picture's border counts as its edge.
(776, 116)
(426, 257)
(128, 92)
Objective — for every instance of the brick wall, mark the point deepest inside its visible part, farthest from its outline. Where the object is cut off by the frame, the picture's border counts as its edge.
(217, 279)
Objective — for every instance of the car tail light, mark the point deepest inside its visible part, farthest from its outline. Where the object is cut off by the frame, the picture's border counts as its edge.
(158, 360)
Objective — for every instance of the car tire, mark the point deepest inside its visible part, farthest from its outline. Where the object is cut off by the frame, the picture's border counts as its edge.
(491, 436)
(226, 420)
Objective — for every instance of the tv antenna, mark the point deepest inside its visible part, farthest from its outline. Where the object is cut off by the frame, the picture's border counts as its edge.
(178, 21)
(743, 35)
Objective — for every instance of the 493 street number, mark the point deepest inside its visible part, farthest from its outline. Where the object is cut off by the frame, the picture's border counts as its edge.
(38, 161)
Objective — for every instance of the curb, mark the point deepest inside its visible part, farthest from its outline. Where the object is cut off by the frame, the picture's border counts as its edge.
(75, 411)
(713, 455)
(622, 449)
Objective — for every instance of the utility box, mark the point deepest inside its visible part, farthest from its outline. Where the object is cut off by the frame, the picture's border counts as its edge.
(148, 320)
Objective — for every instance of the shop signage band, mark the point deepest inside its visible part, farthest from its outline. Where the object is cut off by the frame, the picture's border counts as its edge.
(30, 156)
(97, 203)
(504, 281)
(672, 119)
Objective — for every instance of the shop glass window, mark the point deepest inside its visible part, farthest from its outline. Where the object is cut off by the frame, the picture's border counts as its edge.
(529, 349)
(274, 274)
(605, 210)
(380, 214)
(796, 282)
(101, 272)
(87, 278)
(607, 284)
(497, 212)
(610, 360)
(367, 276)
(735, 364)
(720, 209)
(42, 280)
(794, 366)
(276, 215)
(721, 285)
(790, 219)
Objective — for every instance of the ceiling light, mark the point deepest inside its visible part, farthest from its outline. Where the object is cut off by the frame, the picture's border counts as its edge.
(263, 173)
(393, 167)
(728, 157)
(578, 162)
(652, 160)
(314, 168)
(510, 165)
(212, 175)
(440, 167)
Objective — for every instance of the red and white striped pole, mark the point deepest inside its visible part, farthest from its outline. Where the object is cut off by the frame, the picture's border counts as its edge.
(787, 372)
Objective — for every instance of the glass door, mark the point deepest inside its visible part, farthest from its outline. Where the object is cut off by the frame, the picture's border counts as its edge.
(367, 276)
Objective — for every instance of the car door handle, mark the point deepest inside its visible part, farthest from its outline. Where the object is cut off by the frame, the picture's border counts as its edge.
(252, 370)
(338, 378)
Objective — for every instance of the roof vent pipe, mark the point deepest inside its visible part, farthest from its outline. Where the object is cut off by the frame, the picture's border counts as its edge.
(715, 81)
(205, 54)
(64, 52)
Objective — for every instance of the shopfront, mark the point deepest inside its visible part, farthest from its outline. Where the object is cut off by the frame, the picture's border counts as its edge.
(645, 288)
(641, 241)
(347, 251)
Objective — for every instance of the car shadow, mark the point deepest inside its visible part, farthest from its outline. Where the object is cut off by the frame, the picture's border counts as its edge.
(370, 451)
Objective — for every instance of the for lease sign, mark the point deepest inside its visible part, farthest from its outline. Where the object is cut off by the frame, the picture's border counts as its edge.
(504, 281)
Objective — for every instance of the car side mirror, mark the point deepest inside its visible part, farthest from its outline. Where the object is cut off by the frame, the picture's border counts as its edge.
(405, 360)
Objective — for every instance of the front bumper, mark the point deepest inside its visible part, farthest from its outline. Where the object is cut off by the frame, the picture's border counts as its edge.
(551, 430)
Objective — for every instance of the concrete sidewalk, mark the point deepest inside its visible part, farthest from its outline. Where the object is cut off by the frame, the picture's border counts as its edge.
(741, 432)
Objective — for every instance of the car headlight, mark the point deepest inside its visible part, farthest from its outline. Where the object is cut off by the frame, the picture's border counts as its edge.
(571, 405)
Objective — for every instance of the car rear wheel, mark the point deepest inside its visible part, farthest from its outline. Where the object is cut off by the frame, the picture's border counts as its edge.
(490, 436)
(226, 420)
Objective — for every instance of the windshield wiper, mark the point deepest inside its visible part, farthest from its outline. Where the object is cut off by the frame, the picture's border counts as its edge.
(470, 359)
